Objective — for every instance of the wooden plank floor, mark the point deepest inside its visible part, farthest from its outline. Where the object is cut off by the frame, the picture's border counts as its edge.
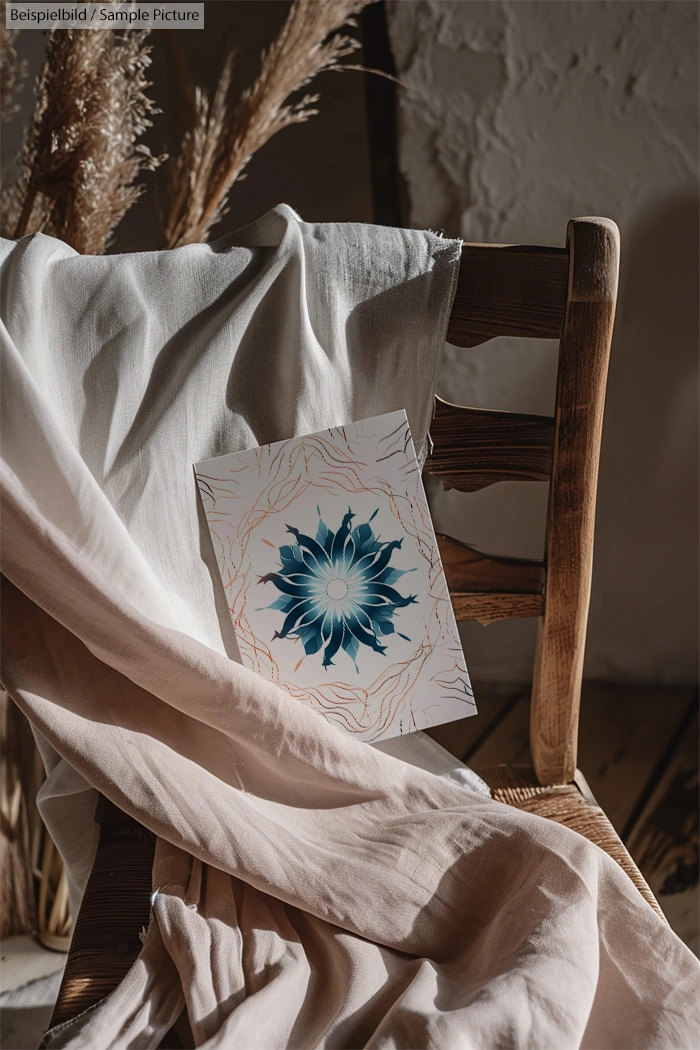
(638, 749)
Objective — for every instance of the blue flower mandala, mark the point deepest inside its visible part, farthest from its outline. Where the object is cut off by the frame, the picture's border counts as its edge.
(337, 589)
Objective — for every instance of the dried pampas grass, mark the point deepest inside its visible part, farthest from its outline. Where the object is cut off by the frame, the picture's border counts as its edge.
(81, 154)
(17, 791)
(219, 134)
(81, 157)
(13, 72)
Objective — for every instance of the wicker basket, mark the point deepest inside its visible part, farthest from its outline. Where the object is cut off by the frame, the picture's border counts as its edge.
(33, 887)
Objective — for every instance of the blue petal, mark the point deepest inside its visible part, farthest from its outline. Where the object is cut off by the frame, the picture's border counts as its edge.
(295, 615)
(341, 535)
(312, 547)
(364, 636)
(310, 638)
(334, 643)
(290, 555)
(298, 590)
(323, 534)
(364, 540)
(392, 595)
(372, 568)
(352, 648)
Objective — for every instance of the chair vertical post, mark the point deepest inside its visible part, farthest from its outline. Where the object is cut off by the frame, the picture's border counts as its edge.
(583, 366)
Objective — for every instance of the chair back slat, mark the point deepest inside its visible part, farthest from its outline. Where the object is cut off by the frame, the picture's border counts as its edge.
(473, 448)
(510, 289)
(488, 608)
(487, 588)
(470, 570)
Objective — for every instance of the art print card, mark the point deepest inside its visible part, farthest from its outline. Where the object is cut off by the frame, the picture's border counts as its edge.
(333, 579)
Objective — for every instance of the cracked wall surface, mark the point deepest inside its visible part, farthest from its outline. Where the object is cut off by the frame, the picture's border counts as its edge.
(517, 115)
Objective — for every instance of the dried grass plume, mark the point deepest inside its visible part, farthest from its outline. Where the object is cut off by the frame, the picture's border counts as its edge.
(81, 156)
(218, 134)
(13, 71)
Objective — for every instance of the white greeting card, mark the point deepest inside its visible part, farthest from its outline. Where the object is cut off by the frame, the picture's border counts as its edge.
(333, 578)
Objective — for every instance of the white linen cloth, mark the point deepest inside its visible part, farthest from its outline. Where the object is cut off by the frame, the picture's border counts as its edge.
(310, 891)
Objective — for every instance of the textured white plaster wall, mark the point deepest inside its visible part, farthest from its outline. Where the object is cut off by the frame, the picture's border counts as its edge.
(521, 114)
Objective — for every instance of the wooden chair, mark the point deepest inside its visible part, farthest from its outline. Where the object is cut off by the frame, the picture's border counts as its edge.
(567, 294)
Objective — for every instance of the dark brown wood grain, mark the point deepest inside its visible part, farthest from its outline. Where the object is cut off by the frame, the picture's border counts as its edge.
(473, 448)
(584, 351)
(489, 607)
(470, 570)
(665, 837)
(115, 908)
(510, 289)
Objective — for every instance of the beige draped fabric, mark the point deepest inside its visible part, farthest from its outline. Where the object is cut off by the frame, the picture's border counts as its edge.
(309, 890)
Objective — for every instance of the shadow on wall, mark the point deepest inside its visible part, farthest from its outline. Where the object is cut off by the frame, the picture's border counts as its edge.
(643, 623)
(645, 592)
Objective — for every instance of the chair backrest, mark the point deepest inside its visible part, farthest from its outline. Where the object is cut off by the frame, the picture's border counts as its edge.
(567, 294)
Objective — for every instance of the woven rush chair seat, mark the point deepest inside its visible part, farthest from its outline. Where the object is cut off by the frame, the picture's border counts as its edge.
(570, 804)
(114, 911)
(568, 294)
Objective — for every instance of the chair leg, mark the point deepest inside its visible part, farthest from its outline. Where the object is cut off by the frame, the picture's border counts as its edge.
(115, 909)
